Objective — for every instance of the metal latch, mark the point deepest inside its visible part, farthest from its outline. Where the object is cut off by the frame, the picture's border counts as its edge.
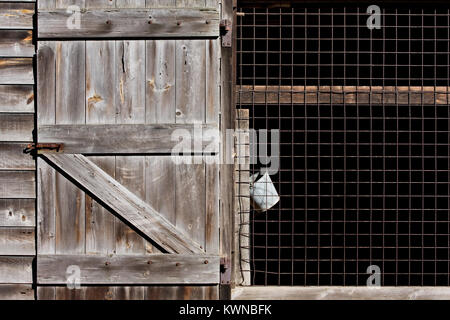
(37, 147)
(225, 271)
(226, 31)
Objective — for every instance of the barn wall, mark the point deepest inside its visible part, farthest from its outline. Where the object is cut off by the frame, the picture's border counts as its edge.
(17, 170)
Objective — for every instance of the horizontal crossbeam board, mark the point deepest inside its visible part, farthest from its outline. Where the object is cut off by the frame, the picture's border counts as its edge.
(126, 138)
(130, 269)
(124, 203)
(129, 23)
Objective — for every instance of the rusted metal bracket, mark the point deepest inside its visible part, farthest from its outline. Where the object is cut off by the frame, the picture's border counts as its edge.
(225, 271)
(38, 147)
(226, 31)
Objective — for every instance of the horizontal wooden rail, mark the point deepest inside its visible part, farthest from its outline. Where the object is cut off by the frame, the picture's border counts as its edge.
(124, 138)
(130, 269)
(129, 23)
(403, 95)
(340, 293)
(124, 203)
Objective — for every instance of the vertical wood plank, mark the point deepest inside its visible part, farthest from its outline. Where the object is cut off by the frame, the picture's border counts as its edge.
(130, 82)
(46, 223)
(160, 81)
(70, 82)
(46, 293)
(129, 293)
(212, 80)
(212, 206)
(46, 83)
(190, 81)
(130, 173)
(70, 109)
(190, 200)
(100, 75)
(100, 223)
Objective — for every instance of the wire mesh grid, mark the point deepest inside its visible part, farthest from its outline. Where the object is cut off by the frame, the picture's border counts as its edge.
(364, 132)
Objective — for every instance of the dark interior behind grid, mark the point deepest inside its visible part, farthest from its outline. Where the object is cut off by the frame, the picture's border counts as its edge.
(362, 183)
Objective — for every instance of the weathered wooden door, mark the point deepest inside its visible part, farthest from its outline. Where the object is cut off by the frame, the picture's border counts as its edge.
(115, 211)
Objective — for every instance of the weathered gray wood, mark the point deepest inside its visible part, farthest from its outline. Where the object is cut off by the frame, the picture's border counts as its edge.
(190, 81)
(17, 184)
(129, 293)
(100, 235)
(16, 269)
(46, 83)
(212, 206)
(16, 71)
(16, 43)
(190, 3)
(182, 293)
(70, 82)
(401, 95)
(17, 213)
(46, 206)
(160, 3)
(160, 81)
(126, 138)
(124, 203)
(17, 241)
(131, 269)
(130, 81)
(213, 80)
(16, 127)
(130, 174)
(341, 293)
(16, 98)
(241, 229)
(12, 157)
(130, 23)
(100, 75)
(130, 3)
(190, 200)
(16, 15)
(16, 292)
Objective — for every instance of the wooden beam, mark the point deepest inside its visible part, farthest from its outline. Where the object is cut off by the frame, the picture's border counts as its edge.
(16, 71)
(16, 98)
(16, 15)
(402, 95)
(123, 138)
(340, 293)
(17, 184)
(124, 203)
(131, 23)
(131, 269)
(12, 157)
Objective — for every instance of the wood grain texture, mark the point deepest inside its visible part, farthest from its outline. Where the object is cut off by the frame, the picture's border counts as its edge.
(131, 269)
(46, 208)
(124, 203)
(182, 293)
(16, 127)
(16, 269)
(16, 98)
(16, 71)
(17, 184)
(130, 23)
(46, 83)
(16, 15)
(160, 86)
(16, 43)
(17, 213)
(100, 223)
(341, 293)
(17, 241)
(12, 157)
(70, 82)
(121, 138)
(16, 292)
(130, 81)
(190, 81)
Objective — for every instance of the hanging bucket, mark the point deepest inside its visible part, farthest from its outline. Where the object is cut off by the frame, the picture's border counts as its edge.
(263, 193)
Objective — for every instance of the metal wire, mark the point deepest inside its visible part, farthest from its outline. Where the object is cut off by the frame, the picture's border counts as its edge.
(364, 133)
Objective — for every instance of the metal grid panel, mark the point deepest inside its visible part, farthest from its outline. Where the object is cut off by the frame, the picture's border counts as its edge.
(364, 125)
